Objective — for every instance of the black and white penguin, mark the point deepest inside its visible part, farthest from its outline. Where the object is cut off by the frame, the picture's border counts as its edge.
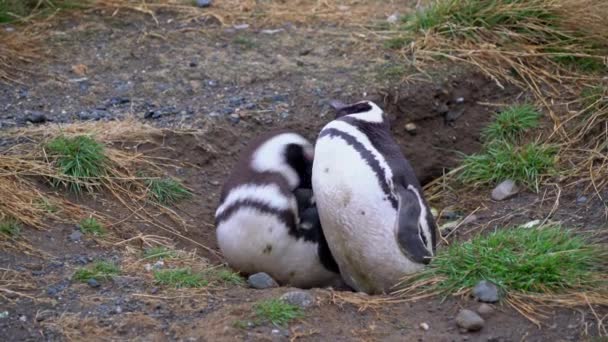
(375, 218)
(259, 225)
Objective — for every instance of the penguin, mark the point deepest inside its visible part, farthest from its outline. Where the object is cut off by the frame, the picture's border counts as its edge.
(375, 218)
(266, 219)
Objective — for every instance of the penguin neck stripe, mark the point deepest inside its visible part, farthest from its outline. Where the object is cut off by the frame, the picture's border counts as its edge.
(286, 216)
(369, 158)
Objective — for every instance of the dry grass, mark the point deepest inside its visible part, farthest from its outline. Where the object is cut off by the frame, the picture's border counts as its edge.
(541, 46)
(25, 164)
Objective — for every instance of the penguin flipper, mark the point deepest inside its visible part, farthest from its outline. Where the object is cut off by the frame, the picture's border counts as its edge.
(408, 232)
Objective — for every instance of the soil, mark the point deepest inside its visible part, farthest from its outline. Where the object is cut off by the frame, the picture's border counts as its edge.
(227, 85)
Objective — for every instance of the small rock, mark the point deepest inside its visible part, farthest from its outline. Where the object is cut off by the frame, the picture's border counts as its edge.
(261, 281)
(148, 267)
(449, 214)
(424, 326)
(154, 290)
(275, 331)
(531, 224)
(9, 29)
(93, 115)
(116, 101)
(302, 299)
(411, 128)
(23, 318)
(505, 190)
(581, 200)
(82, 260)
(469, 320)
(486, 291)
(76, 236)
(393, 18)
(272, 31)
(93, 283)
(3, 314)
(241, 27)
(485, 310)
(203, 3)
(36, 117)
(469, 219)
(460, 100)
(118, 310)
(158, 265)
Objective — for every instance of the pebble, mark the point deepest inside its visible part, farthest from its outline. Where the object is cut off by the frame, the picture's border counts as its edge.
(272, 31)
(411, 128)
(203, 3)
(302, 299)
(93, 115)
(54, 290)
(581, 200)
(449, 214)
(4, 314)
(485, 310)
(76, 236)
(116, 101)
(469, 320)
(393, 18)
(424, 326)
(93, 283)
(158, 265)
(36, 117)
(469, 219)
(505, 190)
(261, 281)
(23, 318)
(486, 291)
(241, 27)
(531, 224)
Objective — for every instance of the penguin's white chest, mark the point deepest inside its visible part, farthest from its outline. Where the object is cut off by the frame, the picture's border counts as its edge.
(358, 218)
(253, 241)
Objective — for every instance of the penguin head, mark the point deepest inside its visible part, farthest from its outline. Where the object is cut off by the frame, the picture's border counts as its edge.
(288, 154)
(362, 110)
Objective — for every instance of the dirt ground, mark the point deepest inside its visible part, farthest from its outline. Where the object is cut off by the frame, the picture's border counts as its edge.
(225, 85)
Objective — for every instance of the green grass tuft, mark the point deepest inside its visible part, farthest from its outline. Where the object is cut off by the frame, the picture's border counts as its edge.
(99, 270)
(14, 10)
(79, 157)
(397, 43)
(159, 252)
(10, 228)
(244, 42)
(92, 227)
(447, 16)
(502, 160)
(179, 278)
(546, 259)
(277, 312)
(167, 190)
(45, 204)
(228, 277)
(511, 123)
